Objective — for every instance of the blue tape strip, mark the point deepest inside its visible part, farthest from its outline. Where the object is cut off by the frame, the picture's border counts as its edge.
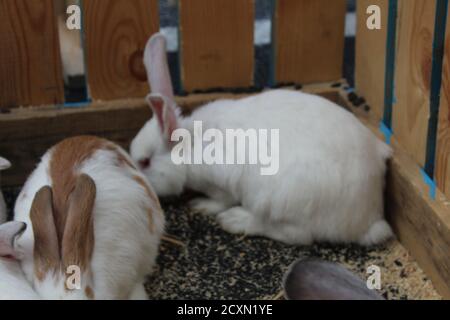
(389, 98)
(350, 90)
(77, 104)
(436, 82)
(386, 132)
(431, 183)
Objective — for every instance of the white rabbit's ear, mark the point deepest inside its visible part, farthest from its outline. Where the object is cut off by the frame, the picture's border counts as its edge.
(165, 114)
(155, 61)
(320, 280)
(4, 164)
(9, 232)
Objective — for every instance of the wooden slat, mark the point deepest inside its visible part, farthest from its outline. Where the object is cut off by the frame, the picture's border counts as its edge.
(118, 120)
(216, 43)
(30, 63)
(413, 75)
(116, 32)
(443, 138)
(309, 40)
(370, 59)
(421, 224)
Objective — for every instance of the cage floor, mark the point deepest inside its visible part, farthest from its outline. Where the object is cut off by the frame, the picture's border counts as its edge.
(200, 261)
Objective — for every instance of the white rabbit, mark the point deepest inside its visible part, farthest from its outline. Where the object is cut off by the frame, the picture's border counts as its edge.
(13, 285)
(330, 182)
(71, 50)
(90, 208)
(4, 164)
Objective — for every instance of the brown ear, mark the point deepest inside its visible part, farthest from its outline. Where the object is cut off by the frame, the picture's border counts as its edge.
(46, 247)
(78, 238)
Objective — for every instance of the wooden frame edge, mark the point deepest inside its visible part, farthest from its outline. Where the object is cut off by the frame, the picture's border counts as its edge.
(421, 224)
(27, 132)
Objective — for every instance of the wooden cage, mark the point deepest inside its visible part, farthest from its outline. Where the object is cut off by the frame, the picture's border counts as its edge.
(401, 92)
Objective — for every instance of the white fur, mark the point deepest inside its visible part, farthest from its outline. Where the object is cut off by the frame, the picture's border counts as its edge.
(125, 249)
(13, 285)
(329, 186)
(4, 164)
(71, 50)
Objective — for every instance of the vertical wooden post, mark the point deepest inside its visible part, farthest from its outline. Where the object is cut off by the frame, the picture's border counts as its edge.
(216, 43)
(370, 56)
(30, 62)
(442, 171)
(116, 32)
(308, 40)
(413, 75)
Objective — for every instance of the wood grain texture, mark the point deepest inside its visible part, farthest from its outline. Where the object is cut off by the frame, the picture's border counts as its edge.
(116, 32)
(443, 137)
(118, 120)
(309, 40)
(370, 59)
(216, 40)
(30, 62)
(421, 224)
(413, 75)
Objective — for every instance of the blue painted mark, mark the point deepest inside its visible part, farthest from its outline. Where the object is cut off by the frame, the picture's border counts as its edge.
(431, 184)
(389, 79)
(350, 90)
(386, 132)
(436, 82)
(79, 104)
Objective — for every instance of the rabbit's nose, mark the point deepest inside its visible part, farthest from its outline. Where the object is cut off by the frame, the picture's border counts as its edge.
(144, 163)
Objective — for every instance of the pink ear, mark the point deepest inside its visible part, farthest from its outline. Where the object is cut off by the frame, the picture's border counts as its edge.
(156, 65)
(8, 233)
(156, 102)
(165, 114)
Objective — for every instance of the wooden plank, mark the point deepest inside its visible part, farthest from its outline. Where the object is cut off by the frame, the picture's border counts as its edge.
(116, 32)
(370, 59)
(421, 224)
(442, 171)
(30, 63)
(413, 75)
(117, 120)
(216, 43)
(309, 40)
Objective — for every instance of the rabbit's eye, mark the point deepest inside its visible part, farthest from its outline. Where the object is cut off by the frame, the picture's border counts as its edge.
(144, 163)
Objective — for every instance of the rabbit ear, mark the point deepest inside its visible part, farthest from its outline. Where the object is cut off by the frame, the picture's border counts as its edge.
(46, 247)
(155, 61)
(165, 114)
(4, 164)
(320, 280)
(78, 238)
(9, 232)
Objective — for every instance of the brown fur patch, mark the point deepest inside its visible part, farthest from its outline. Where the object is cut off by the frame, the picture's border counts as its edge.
(78, 238)
(141, 181)
(67, 156)
(46, 246)
(89, 293)
(121, 158)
